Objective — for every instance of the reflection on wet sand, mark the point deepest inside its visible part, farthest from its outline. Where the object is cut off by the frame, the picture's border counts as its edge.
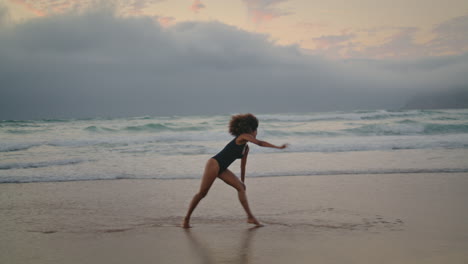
(206, 254)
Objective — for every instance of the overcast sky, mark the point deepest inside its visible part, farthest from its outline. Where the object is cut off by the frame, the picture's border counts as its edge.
(96, 61)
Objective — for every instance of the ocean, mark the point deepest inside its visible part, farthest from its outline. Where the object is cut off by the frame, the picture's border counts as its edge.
(177, 147)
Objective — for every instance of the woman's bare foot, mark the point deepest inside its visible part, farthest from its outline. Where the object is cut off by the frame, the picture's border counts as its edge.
(254, 221)
(186, 223)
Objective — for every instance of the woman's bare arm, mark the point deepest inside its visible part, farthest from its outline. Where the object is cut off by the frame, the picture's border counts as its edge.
(244, 162)
(250, 138)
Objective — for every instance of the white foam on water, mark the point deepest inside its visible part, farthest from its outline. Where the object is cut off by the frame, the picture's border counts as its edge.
(177, 147)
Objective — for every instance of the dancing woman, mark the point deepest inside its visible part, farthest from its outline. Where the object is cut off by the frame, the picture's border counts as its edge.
(244, 129)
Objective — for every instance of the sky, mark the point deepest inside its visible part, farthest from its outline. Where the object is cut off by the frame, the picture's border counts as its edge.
(83, 58)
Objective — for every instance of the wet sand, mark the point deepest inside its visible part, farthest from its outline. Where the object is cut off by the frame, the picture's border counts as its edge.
(395, 218)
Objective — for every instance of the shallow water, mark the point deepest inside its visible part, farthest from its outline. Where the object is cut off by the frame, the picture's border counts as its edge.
(397, 218)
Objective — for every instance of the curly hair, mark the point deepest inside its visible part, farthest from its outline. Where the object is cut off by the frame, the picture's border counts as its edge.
(242, 123)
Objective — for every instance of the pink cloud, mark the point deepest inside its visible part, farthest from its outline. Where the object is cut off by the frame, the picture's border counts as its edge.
(30, 7)
(61, 7)
(137, 7)
(196, 6)
(45, 7)
(166, 21)
(263, 10)
(259, 16)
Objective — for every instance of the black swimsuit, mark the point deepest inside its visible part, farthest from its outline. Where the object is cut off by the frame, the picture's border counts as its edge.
(229, 154)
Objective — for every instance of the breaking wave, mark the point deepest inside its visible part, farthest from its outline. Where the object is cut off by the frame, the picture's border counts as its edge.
(32, 165)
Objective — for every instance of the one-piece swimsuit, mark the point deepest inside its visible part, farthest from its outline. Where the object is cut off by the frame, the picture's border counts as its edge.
(229, 154)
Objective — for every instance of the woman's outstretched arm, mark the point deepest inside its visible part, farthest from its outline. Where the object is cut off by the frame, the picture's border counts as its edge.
(250, 138)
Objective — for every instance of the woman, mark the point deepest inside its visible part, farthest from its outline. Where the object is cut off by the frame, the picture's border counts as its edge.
(244, 128)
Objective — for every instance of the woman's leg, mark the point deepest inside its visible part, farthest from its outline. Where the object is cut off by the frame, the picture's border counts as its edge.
(210, 174)
(228, 177)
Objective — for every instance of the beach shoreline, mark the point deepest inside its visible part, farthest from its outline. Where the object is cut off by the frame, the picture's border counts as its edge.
(394, 218)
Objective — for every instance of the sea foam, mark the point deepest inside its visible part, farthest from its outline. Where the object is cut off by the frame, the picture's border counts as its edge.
(178, 146)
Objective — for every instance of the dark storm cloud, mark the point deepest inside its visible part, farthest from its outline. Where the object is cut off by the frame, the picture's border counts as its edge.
(96, 64)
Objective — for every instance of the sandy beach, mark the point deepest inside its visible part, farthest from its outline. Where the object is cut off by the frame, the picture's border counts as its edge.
(390, 218)
(355, 115)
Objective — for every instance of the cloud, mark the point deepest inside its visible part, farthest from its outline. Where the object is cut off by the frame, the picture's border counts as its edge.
(263, 10)
(98, 64)
(30, 6)
(325, 42)
(47, 7)
(196, 6)
(166, 21)
(399, 45)
(451, 36)
(311, 27)
(333, 46)
(4, 16)
(134, 7)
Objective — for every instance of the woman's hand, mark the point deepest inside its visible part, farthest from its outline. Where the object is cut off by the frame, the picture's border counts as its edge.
(283, 146)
